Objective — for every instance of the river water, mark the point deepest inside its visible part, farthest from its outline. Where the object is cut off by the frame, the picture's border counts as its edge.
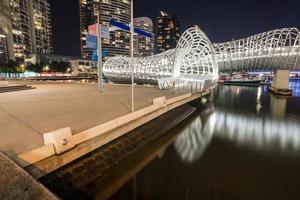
(244, 145)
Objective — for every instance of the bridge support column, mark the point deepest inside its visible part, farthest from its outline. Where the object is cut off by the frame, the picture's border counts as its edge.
(280, 85)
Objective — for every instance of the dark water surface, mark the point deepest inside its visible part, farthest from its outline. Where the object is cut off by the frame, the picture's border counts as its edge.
(244, 146)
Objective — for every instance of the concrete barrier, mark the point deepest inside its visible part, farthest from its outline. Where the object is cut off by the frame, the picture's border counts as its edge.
(61, 139)
(35, 155)
(90, 139)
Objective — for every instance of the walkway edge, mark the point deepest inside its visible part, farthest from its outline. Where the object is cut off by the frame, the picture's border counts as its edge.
(15, 183)
(44, 160)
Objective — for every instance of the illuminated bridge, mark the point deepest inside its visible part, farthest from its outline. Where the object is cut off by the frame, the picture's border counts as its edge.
(197, 60)
(272, 50)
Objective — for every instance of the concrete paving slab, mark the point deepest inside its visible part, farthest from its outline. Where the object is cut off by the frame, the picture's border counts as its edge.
(26, 115)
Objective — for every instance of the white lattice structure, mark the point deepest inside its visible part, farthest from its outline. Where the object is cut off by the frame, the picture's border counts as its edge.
(194, 58)
(146, 69)
(192, 61)
(276, 49)
(197, 60)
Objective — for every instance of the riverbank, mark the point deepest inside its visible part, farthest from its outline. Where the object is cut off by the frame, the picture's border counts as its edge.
(107, 163)
(49, 127)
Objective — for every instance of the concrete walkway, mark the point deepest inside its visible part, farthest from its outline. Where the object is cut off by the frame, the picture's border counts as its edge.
(26, 115)
(15, 183)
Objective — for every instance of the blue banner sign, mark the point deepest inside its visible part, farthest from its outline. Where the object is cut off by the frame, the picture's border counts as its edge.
(119, 25)
(126, 27)
(143, 33)
(91, 41)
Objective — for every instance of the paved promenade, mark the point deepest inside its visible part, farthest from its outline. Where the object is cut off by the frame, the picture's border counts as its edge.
(26, 115)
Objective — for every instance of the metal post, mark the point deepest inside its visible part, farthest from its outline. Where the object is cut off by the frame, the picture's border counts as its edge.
(99, 52)
(132, 67)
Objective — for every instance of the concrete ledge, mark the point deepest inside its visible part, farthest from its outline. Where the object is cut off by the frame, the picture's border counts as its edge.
(15, 183)
(88, 140)
(179, 98)
(35, 155)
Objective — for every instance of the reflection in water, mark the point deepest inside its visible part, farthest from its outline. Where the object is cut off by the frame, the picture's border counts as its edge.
(194, 139)
(278, 106)
(258, 132)
(275, 132)
(295, 85)
(247, 147)
(258, 101)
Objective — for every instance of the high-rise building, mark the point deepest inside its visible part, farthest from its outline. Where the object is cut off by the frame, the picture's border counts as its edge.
(143, 46)
(168, 31)
(3, 50)
(119, 10)
(41, 33)
(26, 26)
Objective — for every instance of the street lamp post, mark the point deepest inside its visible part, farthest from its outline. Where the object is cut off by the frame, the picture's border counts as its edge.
(132, 64)
(99, 52)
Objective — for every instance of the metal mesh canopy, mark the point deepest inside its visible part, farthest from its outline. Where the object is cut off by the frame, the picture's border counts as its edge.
(196, 59)
(146, 69)
(193, 56)
(276, 49)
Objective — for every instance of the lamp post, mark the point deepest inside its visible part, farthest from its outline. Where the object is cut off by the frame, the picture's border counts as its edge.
(99, 52)
(132, 64)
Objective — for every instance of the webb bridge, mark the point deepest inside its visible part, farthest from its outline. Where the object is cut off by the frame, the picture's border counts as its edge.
(197, 60)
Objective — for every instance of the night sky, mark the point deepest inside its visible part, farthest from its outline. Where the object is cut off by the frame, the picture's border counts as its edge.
(221, 20)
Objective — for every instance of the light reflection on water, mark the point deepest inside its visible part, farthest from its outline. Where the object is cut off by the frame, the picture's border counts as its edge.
(295, 85)
(258, 133)
(194, 139)
(266, 133)
(245, 145)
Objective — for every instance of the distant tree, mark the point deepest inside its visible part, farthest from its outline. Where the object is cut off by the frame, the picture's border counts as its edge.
(20, 69)
(9, 67)
(59, 66)
(37, 68)
(2, 67)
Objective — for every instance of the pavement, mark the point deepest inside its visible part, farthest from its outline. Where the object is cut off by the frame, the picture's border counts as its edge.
(15, 183)
(26, 115)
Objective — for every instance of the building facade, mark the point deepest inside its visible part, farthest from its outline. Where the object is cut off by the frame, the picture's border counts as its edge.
(41, 26)
(143, 46)
(168, 31)
(26, 26)
(119, 10)
(3, 50)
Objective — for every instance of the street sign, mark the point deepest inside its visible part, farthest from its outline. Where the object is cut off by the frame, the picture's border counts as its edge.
(104, 31)
(95, 55)
(92, 30)
(91, 41)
